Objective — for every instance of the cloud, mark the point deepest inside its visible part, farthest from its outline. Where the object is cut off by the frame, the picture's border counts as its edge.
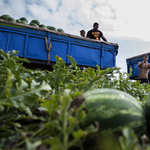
(115, 17)
(132, 22)
(13, 8)
(118, 19)
(53, 5)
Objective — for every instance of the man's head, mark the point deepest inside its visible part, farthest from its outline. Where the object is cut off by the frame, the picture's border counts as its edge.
(95, 26)
(82, 33)
(145, 57)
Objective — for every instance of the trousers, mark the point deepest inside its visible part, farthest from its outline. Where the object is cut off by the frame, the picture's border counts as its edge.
(146, 80)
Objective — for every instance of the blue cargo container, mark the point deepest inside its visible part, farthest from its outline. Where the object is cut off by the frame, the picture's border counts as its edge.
(41, 46)
(133, 62)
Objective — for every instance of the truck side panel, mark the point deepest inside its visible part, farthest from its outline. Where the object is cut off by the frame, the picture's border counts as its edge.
(31, 44)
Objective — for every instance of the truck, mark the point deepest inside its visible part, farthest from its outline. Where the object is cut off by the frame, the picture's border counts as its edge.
(40, 46)
(133, 62)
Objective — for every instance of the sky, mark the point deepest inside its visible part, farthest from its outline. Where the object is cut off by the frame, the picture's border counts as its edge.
(121, 21)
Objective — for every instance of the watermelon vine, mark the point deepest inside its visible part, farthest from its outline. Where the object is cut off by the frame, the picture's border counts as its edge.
(35, 110)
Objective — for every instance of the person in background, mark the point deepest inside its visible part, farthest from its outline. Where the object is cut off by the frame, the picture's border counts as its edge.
(95, 33)
(82, 33)
(144, 68)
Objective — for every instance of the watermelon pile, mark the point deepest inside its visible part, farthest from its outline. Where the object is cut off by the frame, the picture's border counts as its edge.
(34, 22)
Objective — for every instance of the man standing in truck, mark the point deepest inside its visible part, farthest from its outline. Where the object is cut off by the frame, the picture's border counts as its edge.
(95, 33)
(144, 68)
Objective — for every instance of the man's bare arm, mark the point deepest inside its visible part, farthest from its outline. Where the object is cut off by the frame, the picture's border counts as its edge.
(148, 65)
(140, 64)
(104, 38)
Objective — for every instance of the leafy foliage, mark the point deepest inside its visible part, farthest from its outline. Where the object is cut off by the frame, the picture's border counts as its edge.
(35, 105)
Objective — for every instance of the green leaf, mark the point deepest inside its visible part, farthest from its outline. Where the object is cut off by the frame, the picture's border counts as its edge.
(78, 134)
(56, 144)
(32, 146)
(129, 140)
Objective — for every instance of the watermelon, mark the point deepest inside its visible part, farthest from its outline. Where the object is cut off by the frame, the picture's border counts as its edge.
(48, 27)
(35, 22)
(42, 26)
(147, 112)
(51, 28)
(113, 110)
(60, 30)
(5, 17)
(18, 21)
(23, 22)
(11, 19)
(24, 19)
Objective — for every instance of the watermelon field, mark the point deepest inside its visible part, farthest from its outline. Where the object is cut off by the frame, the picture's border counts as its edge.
(71, 109)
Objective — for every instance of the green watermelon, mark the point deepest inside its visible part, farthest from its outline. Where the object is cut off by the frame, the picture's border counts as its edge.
(42, 26)
(5, 17)
(33, 24)
(113, 110)
(48, 27)
(18, 20)
(24, 19)
(147, 112)
(60, 30)
(23, 22)
(11, 19)
(51, 28)
(36, 22)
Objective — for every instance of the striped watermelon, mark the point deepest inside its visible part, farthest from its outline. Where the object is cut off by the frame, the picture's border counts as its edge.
(147, 112)
(114, 110)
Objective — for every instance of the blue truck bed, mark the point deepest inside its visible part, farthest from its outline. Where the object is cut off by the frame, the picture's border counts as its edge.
(41, 46)
(133, 62)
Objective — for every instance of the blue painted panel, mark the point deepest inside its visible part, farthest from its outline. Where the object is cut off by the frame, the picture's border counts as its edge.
(88, 56)
(109, 58)
(106, 46)
(31, 44)
(17, 42)
(3, 40)
(36, 48)
(135, 68)
(59, 48)
(77, 40)
(134, 65)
